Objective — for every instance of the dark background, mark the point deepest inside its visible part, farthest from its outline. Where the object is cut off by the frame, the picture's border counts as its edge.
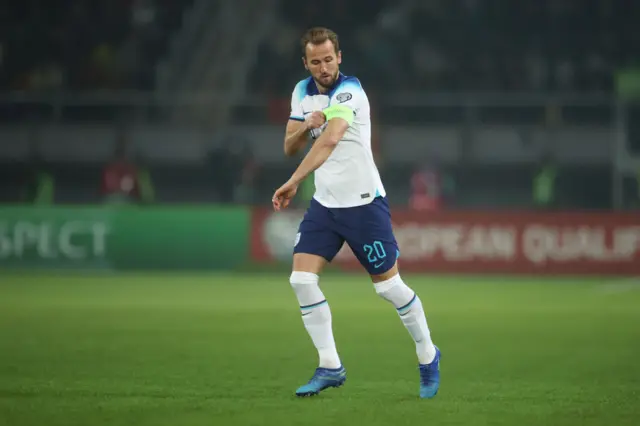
(198, 93)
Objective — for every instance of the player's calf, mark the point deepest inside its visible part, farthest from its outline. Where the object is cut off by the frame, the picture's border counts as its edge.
(409, 308)
(411, 312)
(316, 316)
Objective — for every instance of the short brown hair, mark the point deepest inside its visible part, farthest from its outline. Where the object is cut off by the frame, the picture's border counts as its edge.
(318, 35)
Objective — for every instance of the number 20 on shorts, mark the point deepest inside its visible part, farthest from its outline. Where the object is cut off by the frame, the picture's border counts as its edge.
(375, 252)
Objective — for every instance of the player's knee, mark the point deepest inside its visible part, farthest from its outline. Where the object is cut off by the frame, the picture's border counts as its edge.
(395, 291)
(383, 287)
(305, 286)
(298, 279)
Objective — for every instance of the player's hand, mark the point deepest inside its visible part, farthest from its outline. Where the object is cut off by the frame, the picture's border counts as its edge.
(283, 196)
(315, 120)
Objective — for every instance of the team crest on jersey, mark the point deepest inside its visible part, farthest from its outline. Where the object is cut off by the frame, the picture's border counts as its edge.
(343, 97)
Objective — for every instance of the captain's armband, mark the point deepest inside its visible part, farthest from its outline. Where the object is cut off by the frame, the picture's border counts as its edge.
(339, 111)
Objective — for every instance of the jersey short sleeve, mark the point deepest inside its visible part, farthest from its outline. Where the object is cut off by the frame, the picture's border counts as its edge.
(349, 94)
(296, 102)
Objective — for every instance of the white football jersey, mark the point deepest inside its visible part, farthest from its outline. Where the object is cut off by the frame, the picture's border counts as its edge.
(349, 177)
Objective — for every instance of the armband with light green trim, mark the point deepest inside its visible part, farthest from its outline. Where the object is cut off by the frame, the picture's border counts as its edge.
(339, 111)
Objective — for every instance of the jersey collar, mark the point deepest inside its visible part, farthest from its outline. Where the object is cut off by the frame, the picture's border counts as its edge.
(312, 89)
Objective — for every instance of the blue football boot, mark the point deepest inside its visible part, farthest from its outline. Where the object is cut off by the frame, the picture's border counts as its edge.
(430, 377)
(322, 379)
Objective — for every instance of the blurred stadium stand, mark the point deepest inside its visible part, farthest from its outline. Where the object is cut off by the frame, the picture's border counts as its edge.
(463, 45)
(483, 88)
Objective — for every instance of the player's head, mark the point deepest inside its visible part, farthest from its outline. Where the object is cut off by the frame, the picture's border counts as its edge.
(321, 55)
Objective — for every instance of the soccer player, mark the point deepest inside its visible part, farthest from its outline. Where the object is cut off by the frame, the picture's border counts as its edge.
(349, 205)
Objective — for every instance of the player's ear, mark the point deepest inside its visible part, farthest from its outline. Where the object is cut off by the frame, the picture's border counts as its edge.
(339, 57)
(304, 62)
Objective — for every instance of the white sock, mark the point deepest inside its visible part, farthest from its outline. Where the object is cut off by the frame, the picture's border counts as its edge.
(411, 313)
(316, 317)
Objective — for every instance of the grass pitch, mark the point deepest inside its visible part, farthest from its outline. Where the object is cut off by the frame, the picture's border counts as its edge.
(230, 349)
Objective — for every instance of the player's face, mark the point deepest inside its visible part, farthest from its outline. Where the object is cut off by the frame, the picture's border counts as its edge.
(323, 63)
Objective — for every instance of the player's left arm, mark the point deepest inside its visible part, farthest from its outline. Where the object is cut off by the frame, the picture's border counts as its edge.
(339, 118)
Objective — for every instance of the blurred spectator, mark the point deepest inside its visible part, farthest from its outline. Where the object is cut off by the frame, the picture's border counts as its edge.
(429, 186)
(544, 183)
(39, 185)
(628, 82)
(124, 181)
(244, 192)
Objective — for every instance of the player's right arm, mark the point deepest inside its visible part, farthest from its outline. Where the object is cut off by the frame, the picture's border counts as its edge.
(298, 131)
(298, 126)
(296, 136)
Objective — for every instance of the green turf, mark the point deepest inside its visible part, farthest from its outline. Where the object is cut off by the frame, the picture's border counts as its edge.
(231, 349)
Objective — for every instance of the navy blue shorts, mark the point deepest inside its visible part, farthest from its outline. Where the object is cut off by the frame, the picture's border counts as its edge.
(367, 229)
